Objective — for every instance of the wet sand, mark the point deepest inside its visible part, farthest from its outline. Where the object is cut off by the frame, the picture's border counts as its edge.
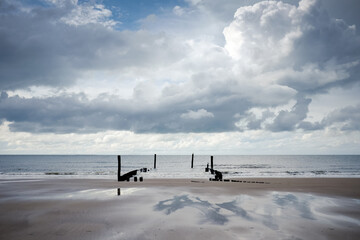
(273, 208)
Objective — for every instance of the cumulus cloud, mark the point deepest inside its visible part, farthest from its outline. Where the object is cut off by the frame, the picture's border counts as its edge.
(89, 14)
(253, 119)
(273, 53)
(348, 118)
(288, 120)
(301, 45)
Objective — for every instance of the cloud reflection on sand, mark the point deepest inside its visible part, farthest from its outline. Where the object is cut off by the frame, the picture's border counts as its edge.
(292, 201)
(209, 211)
(272, 211)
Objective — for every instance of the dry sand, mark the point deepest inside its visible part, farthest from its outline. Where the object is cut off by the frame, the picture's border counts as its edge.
(274, 208)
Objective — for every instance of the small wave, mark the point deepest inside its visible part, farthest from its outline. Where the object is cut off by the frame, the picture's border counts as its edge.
(59, 173)
(294, 173)
(319, 172)
(254, 166)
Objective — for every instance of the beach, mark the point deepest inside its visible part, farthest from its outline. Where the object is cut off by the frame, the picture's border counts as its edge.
(251, 208)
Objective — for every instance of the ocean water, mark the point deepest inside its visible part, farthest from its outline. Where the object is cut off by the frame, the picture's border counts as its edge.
(179, 166)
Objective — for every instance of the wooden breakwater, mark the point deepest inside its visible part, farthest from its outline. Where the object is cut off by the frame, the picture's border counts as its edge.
(133, 173)
(218, 176)
(127, 176)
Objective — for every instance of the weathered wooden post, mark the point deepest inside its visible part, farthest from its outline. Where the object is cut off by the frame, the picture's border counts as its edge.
(154, 161)
(119, 168)
(212, 162)
(192, 161)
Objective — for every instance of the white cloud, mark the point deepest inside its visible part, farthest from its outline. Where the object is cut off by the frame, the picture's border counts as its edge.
(179, 11)
(272, 36)
(195, 62)
(62, 3)
(260, 34)
(331, 141)
(89, 14)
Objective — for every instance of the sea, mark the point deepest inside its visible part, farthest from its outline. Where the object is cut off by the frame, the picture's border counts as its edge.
(179, 166)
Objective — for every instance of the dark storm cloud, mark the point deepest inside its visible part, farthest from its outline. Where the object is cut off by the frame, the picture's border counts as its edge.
(288, 120)
(76, 113)
(345, 119)
(348, 118)
(43, 46)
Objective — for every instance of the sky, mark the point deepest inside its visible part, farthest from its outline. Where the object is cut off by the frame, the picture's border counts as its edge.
(179, 77)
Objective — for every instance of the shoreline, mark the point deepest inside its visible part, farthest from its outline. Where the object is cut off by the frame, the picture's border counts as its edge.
(345, 187)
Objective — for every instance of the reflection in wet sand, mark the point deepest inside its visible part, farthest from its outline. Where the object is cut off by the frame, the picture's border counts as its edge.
(290, 200)
(232, 207)
(209, 211)
(32, 211)
(273, 211)
(99, 193)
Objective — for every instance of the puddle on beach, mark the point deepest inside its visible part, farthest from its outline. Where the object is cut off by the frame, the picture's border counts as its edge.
(18, 181)
(172, 212)
(88, 194)
(101, 193)
(272, 211)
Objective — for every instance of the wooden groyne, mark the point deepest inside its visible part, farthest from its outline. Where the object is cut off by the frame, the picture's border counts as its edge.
(192, 160)
(154, 161)
(218, 174)
(133, 173)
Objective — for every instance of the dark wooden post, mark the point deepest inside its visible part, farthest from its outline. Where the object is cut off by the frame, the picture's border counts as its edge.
(212, 162)
(154, 161)
(192, 161)
(119, 168)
